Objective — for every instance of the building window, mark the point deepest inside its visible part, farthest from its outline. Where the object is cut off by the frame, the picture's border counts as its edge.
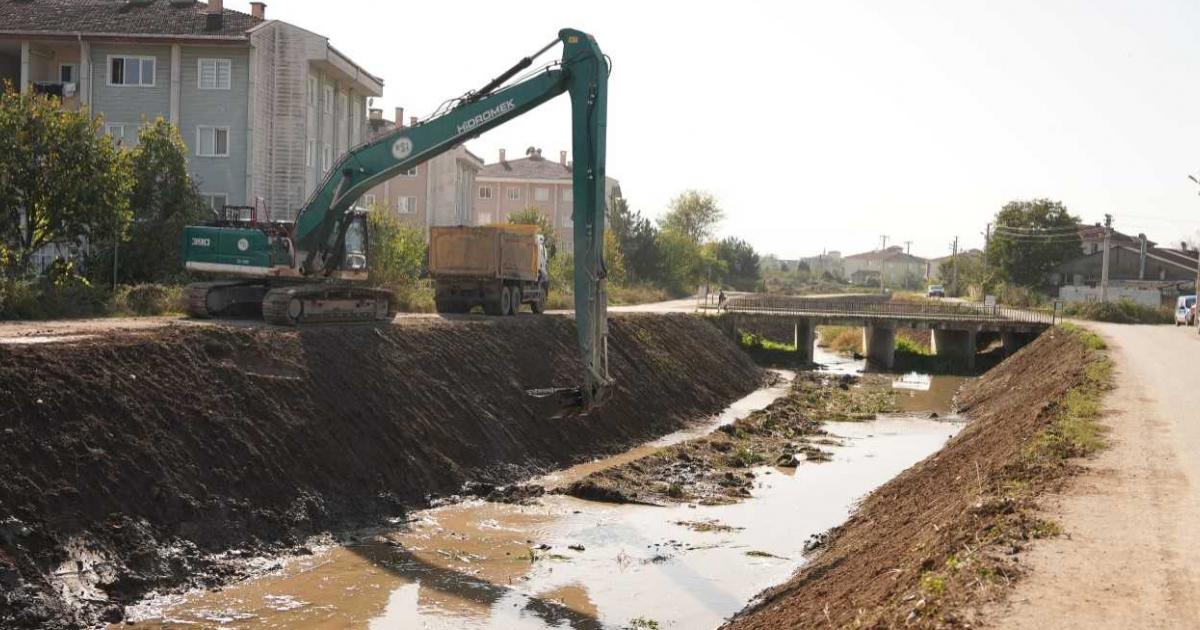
(312, 91)
(115, 132)
(412, 172)
(541, 194)
(513, 193)
(406, 205)
(326, 158)
(310, 152)
(66, 72)
(568, 194)
(216, 201)
(328, 99)
(214, 74)
(128, 70)
(484, 218)
(485, 192)
(369, 200)
(212, 141)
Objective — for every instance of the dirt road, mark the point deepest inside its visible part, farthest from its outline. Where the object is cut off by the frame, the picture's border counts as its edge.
(1130, 556)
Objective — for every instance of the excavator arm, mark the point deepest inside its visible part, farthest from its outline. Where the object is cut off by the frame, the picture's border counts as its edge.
(322, 224)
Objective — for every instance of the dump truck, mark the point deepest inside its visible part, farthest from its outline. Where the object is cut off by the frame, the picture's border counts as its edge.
(498, 267)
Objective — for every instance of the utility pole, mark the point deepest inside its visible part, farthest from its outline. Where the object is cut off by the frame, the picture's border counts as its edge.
(908, 247)
(1197, 290)
(882, 263)
(954, 258)
(1104, 259)
(987, 240)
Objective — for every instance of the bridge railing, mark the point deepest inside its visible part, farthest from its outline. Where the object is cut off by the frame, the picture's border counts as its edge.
(904, 309)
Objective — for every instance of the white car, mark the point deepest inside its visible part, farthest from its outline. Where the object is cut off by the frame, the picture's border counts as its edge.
(1185, 310)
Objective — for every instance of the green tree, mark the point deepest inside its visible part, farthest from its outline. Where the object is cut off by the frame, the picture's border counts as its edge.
(61, 181)
(163, 200)
(534, 216)
(694, 214)
(397, 251)
(681, 261)
(741, 263)
(1032, 237)
(638, 239)
(614, 259)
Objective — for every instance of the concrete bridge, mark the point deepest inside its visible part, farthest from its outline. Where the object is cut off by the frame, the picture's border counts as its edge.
(955, 326)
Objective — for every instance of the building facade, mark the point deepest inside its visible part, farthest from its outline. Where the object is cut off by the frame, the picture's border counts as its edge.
(893, 266)
(437, 192)
(264, 107)
(507, 186)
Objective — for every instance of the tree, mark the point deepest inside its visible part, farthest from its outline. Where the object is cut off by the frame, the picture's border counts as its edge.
(61, 181)
(693, 214)
(741, 263)
(1031, 238)
(163, 201)
(534, 216)
(614, 258)
(680, 261)
(637, 237)
(397, 251)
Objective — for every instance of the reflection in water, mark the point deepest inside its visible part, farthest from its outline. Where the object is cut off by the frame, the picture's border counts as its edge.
(923, 392)
(569, 563)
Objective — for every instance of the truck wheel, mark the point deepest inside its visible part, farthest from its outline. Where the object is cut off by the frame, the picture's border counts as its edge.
(539, 305)
(505, 300)
(516, 300)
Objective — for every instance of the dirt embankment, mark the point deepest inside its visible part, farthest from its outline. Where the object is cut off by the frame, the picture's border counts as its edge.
(928, 547)
(128, 461)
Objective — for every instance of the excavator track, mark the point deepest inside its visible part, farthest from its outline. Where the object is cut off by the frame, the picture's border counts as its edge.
(223, 298)
(322, 303)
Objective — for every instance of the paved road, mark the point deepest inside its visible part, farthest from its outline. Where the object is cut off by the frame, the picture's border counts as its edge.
(1131, 557)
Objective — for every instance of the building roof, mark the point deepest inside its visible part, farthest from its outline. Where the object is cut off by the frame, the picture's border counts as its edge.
(891, 254)
(527, 168)
(1096, 233)
(162, 18)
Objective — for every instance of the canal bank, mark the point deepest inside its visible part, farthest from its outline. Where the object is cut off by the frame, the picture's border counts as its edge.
(561, 561)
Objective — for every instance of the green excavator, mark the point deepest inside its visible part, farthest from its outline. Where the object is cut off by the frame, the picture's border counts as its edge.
(312, 271)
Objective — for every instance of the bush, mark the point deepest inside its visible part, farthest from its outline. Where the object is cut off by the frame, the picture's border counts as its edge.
(415, 297)
(69, 300)
(840, 339)
(148, 299)
(1119, 312)
(18, 299)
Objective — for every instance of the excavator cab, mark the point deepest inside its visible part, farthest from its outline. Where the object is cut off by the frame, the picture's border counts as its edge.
(354, 258)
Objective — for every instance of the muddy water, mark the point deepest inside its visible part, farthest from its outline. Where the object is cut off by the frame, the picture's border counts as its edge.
(568, 563)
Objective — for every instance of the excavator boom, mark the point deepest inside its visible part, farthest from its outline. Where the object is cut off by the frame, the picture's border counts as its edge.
(317, 247)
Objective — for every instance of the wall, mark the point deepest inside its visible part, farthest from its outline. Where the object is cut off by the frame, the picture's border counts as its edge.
(131, 104)
(222, 108)
(1146, 296)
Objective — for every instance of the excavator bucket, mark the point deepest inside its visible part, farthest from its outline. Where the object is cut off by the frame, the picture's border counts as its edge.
(560, 402)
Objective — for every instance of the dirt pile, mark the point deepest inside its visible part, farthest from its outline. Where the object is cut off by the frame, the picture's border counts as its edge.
(715, 469)
(128, 461)
(937, 540)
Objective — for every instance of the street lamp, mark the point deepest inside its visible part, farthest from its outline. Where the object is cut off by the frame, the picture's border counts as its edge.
(1197, 289)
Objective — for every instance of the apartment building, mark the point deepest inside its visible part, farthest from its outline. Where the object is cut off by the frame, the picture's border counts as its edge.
(531, 182)
(437, 192)
(893, 266)
(265, 107)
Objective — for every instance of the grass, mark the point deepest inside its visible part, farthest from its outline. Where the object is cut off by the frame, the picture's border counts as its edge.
(840, 339)
(753, 341)
(1119, 312)
(618, 295)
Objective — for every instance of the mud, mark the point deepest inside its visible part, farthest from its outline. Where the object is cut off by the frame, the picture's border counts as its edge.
(718, 468)
(926, 548)
(162, 459)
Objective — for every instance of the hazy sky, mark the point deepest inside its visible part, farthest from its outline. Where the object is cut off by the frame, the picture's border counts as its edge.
(827, 124)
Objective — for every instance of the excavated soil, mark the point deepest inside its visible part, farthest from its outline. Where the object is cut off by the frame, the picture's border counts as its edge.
(715, 469)
(154, 460)
(941, 538)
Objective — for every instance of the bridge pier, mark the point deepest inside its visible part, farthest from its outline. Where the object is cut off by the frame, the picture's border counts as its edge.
(879, 344)
(959, 344)
(804, 339)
